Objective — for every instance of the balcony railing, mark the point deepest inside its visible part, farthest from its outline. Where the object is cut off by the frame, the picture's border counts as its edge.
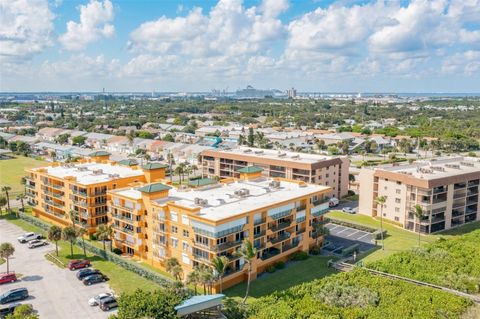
(200, 257)
(123, 229)
(300, 231)
(270, 254)
(260, 221)
(290, 246)
(123, 217)
(259, 234)
(226, 245)
(280, 238)
(79, 193)
(281, 226)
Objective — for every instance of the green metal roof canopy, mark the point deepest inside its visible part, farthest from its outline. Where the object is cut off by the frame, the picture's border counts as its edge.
(99, 153)
(201, 182)
(153, 188)
(250, 169)
(151, 166)
(128, 162)
(198, 304)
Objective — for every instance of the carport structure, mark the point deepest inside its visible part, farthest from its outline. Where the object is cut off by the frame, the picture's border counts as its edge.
(201, 307)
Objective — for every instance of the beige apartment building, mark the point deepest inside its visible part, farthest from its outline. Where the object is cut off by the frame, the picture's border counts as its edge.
(310, 168)
(446, 189)
(194, 224)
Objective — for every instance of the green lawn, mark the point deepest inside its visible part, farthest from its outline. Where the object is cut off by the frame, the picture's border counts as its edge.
(397, 238)
(12, 170)
(294, 274)
(121, 280)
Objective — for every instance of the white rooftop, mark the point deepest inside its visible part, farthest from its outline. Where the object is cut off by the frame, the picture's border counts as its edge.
(128, 192)
(435, 169)
(278, 155)
(222, 203)
(93, 173)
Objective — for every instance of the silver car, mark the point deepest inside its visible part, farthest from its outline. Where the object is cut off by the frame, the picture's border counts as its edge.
(37, 243)
(95, 301)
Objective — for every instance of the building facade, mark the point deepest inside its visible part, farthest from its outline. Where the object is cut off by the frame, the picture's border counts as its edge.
(64, 193)
(310, 168)
(446, 190)
(155, 222)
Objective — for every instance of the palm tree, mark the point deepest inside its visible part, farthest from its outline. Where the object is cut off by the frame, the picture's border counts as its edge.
(206, 277)
(73, 217)
(21, 197)
(6, 189)
(81, 232)
(193, 278)
(320, 230)
(6, 250)
(69, 234)
(194, 169)
(179, 171)
(220, 264)
(171, 162)
(55, 234)
(23, 181)
(248, 252)
(381, 202)
(3, 202)
(104, 233)
(174, 268)
(418, 214)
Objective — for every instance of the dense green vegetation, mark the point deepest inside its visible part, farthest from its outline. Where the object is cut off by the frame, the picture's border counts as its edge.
(453, 263)
(358, 294)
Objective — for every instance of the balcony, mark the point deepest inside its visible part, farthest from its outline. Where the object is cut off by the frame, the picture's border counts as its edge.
(281, 226)
(123, 229)
(29, 186)
(300, 231)
(159, 229)
(290, 246)
(272, 252)
(79, 193)
(80, 203)
(159, 242)
(280, 238)
(201, 257)
(226, 245)
(260, 221)
(260, 234)
(123, 217)
(456, 213)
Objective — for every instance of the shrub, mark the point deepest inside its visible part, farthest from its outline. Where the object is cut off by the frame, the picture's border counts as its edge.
(93, 237)
(378, 234)
(315, 250)
(349, 250)
(350, 193)
(271, 269)
(345, 295)
(299, 255)
(280, 265)
(117, 251)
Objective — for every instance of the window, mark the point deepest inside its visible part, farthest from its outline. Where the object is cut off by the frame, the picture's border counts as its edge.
(398, 200)
(174, 216)
(174, 229)
(397, 210)
(397, 219)
(185, 246)
(185, 220)
(398, 191)
(185, 233)
(174, 242)
(399, 183)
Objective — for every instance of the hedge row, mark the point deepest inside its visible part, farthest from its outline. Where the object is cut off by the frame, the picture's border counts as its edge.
(139, 270)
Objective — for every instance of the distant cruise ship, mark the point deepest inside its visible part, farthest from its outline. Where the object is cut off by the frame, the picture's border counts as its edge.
(251, 93)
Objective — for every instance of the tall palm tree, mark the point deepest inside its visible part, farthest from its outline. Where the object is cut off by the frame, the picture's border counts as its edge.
(381, 202)
(21, 198)
(73, 214)
(248, 252)
(3, 202)
(6, 250)
(193, 278)
(194, 169)
(6, 189)
(171, 162)
(220, 264)
(55, 234)
(206, 277)
(418, 214)
(102, 234)
(320, 230)
(179, 171)
(69, 234)
(174, 268)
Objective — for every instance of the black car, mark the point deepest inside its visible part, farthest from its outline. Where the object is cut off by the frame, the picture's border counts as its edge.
(93, 279)
(108, 303)
(8, 310)
(87, 272)
(14, 295)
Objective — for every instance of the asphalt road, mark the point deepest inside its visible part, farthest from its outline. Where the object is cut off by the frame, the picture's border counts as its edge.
(55, 293)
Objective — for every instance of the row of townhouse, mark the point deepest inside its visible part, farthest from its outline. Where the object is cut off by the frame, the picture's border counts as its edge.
(153, 221)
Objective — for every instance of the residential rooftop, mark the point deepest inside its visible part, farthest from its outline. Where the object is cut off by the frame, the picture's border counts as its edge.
(222, 200)
(277, 155)
(91, 173)
(436, 169)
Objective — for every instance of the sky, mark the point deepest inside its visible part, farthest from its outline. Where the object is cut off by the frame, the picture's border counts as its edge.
(312, 45)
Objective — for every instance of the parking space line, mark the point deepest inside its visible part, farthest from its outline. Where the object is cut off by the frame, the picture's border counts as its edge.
(333, 227)
(352, 233)
(366, 234)
(344, 229)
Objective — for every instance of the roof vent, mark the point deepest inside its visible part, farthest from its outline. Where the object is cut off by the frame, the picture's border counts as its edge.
(259, 152)
(274, 184)
(282, 154)
(247, 150)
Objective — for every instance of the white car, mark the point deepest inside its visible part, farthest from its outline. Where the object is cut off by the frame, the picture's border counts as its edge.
(348, 210)
(95, 301)
(37, 243)
(25, 238)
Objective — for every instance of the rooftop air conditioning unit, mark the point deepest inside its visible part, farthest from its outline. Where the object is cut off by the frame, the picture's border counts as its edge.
(238, 192)
(197, 200)
(296, 156)
(282, 154)
(247, 150)
(259, 152)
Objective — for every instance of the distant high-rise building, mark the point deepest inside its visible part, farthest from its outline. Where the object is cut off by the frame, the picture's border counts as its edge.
(292, 93)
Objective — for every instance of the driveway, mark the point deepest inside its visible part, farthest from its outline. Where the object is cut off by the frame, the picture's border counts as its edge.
(54, 292)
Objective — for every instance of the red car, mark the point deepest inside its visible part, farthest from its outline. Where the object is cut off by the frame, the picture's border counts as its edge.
(78, 264)
(7, 277)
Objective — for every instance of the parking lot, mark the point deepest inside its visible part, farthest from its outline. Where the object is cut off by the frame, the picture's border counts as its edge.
(54, 292)
(343, 237)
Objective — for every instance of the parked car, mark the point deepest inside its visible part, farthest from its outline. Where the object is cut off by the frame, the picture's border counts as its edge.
(95, 301)
(78, 264)
(25, 238)
(108, 303)
(333, 202)
(8, 277)
(93, 279)
(8, 310)
(37, 243)
(348, 210)
(87, 272)
(14, 295)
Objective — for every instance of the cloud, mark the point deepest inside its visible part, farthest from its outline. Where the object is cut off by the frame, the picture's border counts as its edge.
(95, 18)
(26, 28)
(229, 29)
(86, 67)
(467, 62)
